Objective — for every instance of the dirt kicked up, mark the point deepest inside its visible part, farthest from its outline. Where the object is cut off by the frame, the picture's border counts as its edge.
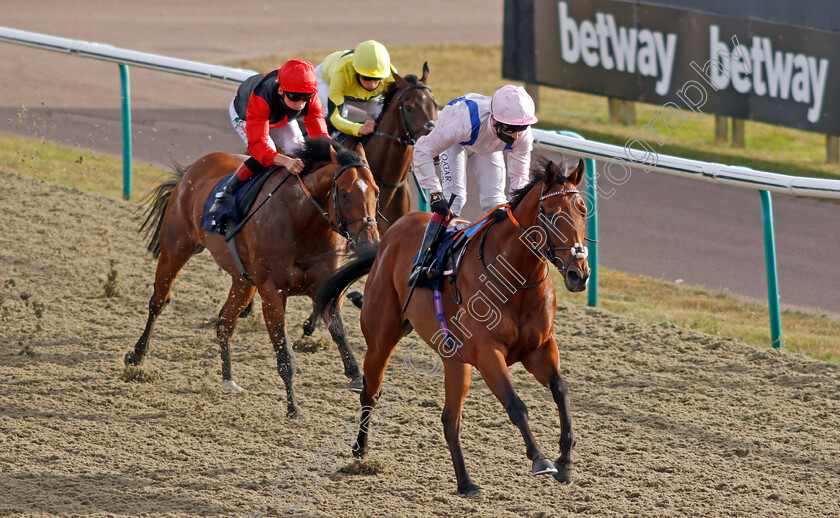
(669, 421)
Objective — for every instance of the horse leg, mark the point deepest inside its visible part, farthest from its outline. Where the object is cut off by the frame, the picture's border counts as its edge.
(544, 364)
(335, 322)
(493, 369)
(457, 383)
(382, 331)
(172, 259)
(239, 297)
(274, 312)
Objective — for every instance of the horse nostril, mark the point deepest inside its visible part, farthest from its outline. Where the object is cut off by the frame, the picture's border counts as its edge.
(573, 276)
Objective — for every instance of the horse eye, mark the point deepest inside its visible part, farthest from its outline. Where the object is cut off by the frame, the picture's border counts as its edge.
(409, 108)
(343, 194)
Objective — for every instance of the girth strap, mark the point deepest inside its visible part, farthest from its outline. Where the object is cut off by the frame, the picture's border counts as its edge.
(230, 238)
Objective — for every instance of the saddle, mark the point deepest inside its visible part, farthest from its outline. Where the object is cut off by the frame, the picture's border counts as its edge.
(450, 252)
(236, 207)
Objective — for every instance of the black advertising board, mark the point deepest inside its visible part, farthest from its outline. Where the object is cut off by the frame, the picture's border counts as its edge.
(697, 62)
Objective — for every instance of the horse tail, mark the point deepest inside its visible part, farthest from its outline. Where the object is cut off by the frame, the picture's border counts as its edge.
(337, 282)
(158, 199)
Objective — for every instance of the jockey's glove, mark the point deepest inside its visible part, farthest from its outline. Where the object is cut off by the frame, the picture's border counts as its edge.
(438, 204)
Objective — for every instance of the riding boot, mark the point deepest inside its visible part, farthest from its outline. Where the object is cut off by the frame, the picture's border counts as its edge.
(431, 240)
(233, 184)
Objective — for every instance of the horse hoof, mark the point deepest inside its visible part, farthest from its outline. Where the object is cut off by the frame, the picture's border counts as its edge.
(308, 327)
(355, 297)
(293, 413)
(131, 358)
(357, 384)
(358, 451)
(543, 467)
(471, 489)
(231, 386)
(564, 473)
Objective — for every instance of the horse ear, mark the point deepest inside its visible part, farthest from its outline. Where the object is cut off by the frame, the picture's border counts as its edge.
(551, 173)
(425, 78)
(401, 83)
(333, 154)
(360, 149)
(577, 174)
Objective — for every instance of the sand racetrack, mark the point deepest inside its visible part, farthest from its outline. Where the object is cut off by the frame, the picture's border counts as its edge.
(669, 421)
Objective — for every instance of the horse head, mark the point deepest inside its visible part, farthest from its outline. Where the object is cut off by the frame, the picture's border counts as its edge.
(562, 214)
(355, 197)
(411, 100)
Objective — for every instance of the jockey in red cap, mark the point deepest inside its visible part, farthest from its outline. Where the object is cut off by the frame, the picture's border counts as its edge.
(265, 112)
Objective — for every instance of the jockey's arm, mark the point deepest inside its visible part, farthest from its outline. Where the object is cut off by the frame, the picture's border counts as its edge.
(519, 160)
(449, 130)
(256, 129)
(338, 87)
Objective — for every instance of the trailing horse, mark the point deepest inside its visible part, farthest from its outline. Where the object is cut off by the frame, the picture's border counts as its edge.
(501, 310)
(288, 247)
(409, 112)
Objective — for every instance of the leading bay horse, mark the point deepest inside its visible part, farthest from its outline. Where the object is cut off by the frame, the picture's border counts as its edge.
(287, 248)
(507, 315)
(409, 112)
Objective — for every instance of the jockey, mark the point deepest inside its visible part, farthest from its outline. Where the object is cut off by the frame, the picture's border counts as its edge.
(358, 79)
(265, 112)
(475, 130)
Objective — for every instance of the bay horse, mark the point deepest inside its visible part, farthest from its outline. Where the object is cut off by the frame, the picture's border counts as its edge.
(507, 315)
(409, 112)
(288, 246)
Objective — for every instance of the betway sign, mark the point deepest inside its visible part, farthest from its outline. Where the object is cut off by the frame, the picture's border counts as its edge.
(749, 69)
(625, 49)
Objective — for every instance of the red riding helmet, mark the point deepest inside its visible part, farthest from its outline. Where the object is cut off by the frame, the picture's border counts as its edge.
(298, 76)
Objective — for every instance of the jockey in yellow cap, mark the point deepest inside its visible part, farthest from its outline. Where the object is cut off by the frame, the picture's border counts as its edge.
(354, 78)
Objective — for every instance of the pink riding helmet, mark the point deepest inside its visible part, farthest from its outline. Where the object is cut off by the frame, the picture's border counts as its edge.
(512, 105)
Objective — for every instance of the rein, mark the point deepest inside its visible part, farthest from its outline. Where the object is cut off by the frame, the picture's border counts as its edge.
(341, 228)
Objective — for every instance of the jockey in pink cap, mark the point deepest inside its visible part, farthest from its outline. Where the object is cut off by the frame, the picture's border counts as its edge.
(473, 130)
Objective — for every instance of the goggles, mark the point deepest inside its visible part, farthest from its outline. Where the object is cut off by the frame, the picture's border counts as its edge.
(368, 78)
(511, 128)
(297, 96)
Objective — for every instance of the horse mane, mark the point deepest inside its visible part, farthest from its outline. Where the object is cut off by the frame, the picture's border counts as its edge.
(538, 167)
(392, 90)
(316, 150)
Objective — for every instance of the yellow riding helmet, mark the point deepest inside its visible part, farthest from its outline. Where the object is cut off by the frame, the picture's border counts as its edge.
(371, 59)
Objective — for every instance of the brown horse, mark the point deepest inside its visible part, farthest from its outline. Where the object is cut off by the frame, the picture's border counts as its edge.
(409, 112)
(287, 247)
(507, 315)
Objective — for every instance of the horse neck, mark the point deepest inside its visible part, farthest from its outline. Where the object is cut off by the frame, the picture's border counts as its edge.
(388, 158)
(319, 182)
(515, 249)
